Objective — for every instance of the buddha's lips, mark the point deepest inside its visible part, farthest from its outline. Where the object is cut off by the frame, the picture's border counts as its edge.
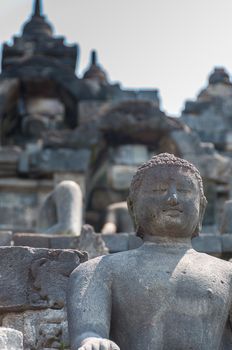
(173, 209)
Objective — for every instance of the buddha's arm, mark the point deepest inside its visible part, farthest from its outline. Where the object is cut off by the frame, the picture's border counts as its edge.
(110, 225)
(226, 343)
(89, 303)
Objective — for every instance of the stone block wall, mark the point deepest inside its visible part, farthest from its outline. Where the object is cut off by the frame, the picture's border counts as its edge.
(19, 202)
(33, 294)
(21, 199)
(219, 245)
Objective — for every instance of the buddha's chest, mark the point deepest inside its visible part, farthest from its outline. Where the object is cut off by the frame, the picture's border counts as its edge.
(179, 288)
(179, 302)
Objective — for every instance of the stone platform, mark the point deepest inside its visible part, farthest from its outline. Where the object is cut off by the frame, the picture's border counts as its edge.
(213, 244)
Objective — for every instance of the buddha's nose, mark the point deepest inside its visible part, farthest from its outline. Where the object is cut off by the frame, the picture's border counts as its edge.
(172, 197)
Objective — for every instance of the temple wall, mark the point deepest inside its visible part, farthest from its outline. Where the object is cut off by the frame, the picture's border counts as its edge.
(33, 294)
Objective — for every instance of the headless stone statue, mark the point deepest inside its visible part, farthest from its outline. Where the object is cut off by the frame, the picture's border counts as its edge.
(163, 295)
(61, 212)
(117, 219)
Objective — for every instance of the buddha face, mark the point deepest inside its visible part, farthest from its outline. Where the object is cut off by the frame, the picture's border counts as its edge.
(167, 202)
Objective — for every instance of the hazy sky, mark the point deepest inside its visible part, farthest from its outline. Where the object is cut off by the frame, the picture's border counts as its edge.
(171, 45)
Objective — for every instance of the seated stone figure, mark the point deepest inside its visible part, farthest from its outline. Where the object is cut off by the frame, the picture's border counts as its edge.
(163, 295)
(61, 212)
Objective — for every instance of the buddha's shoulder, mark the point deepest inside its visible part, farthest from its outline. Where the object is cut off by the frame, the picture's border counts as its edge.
(210, 262)
(107, 264)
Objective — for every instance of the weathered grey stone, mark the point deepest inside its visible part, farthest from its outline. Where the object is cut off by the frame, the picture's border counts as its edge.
(134, 242)
(212, 111)
(194, 108)
(9, 87)
(61, 160)
(5, 238)
(210, 244)
(35, 278)
(10, 339)
(20, 200)
(78, 178)
(148, 95)
(23, 166)
(186, 142)
(9, 158)
(24, 161)
(17, 210)
(92, 242)
(102, 197)
(117, 219)
(10, 155)
(129, 154)
(211, 195)
(135, 94)
(228, 141)
(44, 106)
(213, 167)
(32, 240)
(226, 240)
(119, 176)
(114, 300)
(18, 184)
(42, 240)
(116, 243)
(139, 122)
(35, 125)
(88, 241)
(107, 242)
(121, 242)
(64, 242)
(89, 111)
(41, 329)
(219, 75)
(226, 222)
(61, 212)
(85, 136)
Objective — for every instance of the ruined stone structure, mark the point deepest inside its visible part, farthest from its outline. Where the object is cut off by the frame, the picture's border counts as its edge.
(62, 132)
(210, 117)
(48, 116)
(33, 297)
(57, 125)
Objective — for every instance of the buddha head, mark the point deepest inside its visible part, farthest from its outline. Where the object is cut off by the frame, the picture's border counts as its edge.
(166, 198)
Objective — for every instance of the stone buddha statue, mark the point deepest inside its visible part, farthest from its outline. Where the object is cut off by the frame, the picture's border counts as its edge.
(163, 295)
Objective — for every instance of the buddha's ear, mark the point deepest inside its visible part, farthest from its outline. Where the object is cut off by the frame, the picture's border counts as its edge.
(130, 207)
(203, 204)
(138, 230)
(131, 210)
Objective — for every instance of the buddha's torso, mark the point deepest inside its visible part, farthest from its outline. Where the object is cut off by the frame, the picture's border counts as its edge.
(172, 299)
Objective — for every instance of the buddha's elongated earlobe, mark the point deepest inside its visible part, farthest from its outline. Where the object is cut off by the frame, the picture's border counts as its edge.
(203, 204)
(131, 212)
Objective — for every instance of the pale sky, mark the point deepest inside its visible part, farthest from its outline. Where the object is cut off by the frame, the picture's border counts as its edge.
(171, 45)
